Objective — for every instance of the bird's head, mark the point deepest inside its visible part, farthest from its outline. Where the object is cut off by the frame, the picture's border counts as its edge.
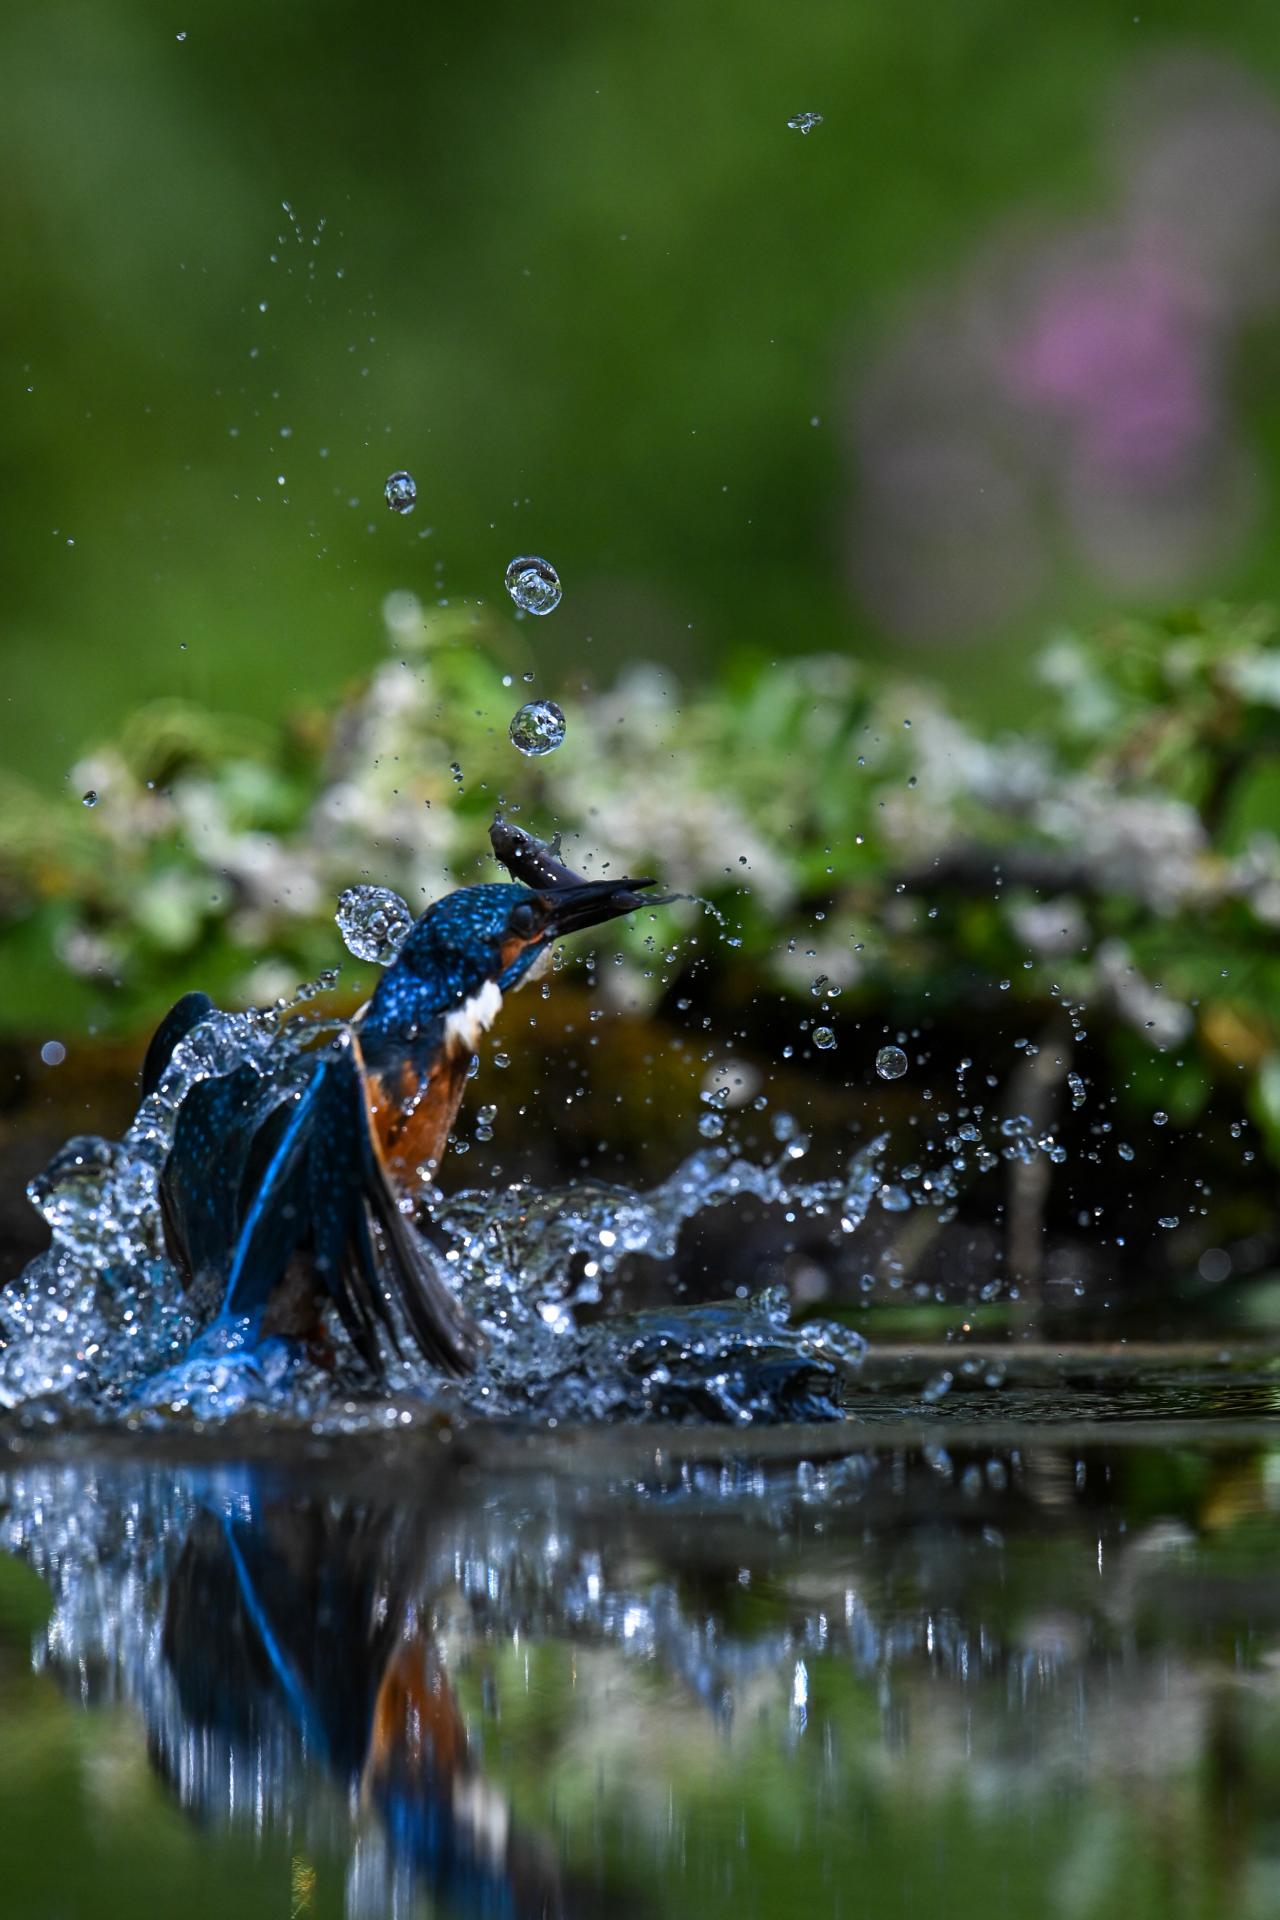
(475, 945)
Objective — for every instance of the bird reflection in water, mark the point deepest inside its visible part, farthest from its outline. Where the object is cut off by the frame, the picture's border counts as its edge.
(296, 1636)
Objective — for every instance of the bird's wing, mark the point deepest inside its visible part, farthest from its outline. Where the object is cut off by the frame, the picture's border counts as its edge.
(258, 1173)
(324, 1189)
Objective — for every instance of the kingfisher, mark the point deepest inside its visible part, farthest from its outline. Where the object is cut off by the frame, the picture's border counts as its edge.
(291, 1193)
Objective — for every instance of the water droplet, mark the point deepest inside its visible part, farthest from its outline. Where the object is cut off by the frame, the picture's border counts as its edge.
(1078, 1094)
(805, 122)
(537, 728)
(373, 922)
(711, 1126)
(401, 492)
(53, 1053)
(891, 1063)
(1159, 1118)
(533, 584)
(824, 1038)
(1168, 1221)
(1125, 1151)
(90, 799)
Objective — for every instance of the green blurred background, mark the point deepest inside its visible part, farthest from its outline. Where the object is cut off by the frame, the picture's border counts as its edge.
(572, 269)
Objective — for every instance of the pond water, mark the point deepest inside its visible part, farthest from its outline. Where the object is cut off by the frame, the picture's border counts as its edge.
(1010, 1649)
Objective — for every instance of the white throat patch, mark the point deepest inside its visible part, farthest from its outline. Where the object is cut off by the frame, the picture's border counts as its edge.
(475, 1016)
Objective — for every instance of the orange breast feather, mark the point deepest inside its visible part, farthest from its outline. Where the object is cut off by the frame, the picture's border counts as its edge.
(413, 1116)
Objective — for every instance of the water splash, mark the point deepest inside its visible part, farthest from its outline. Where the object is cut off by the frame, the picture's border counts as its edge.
(99, 1326)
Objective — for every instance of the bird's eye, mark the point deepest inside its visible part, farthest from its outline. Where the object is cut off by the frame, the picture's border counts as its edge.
(523, 919)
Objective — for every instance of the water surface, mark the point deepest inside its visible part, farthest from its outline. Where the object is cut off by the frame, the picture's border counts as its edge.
(1013, 1649)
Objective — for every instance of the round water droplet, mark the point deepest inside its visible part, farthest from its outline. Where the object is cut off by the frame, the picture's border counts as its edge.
(89, 799)
(373, 922)
(824, 1038)
(401, 492)
(533, 584)
(891, 1063)
(537, 728)
(53, 1053)
(805, 122)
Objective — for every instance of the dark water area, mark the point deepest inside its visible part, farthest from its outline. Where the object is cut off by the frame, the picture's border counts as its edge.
(1008, 1647)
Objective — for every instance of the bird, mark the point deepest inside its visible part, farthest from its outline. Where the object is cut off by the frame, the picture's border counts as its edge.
(289, 1192)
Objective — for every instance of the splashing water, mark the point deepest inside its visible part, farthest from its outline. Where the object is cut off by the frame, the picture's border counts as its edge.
(538, 728)
(374, 923)
(533, 584)
(99, 1326)
(89, 1318)
(804, 122)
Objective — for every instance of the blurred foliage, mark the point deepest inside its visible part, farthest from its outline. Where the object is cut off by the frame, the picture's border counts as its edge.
(586, 285)
(850, 840)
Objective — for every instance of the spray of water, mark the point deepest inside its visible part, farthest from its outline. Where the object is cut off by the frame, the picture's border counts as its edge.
(100, 1326)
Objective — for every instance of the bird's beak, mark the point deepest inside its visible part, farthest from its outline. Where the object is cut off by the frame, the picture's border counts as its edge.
(588, 903)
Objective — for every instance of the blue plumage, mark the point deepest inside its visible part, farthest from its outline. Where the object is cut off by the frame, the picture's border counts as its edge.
(286, 1192)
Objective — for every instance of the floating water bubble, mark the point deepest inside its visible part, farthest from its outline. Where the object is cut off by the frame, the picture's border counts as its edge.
(891, 1063)
(401, 492)
(824, 1038)
(805, 122)
(533, 584)
(374, 923)
(89, 799)
(537, 728)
